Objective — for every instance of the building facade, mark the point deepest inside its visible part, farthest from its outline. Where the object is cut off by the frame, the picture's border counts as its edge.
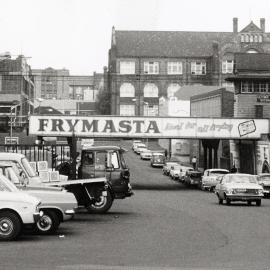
(251, 79)
(212, 153)
(146, 65)
(16, 91)
(67, 93)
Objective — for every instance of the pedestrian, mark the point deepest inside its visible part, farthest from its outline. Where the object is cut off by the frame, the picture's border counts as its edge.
(166, 153)
(194, 162)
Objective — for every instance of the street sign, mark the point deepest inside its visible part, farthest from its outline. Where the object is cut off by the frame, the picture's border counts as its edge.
(11, 140)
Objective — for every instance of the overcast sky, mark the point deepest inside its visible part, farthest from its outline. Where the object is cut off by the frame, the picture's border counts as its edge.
(76, 34)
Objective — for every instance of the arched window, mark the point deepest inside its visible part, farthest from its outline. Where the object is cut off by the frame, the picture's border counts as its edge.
(242, 38)
(260, 38)
(255, 38)
(172, 88)
(251, 38)
(150, 90)
(247, 38)
(251, 51)
(127, 90)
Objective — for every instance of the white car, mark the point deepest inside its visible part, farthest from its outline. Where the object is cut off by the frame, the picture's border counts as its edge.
(167, 167)
(17, 210)
(209, 179)
(146, 154)
(139, 148)
(178, 172)
(135, 142)
(239, 187)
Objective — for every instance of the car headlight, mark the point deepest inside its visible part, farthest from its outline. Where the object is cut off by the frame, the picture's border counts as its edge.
(229, 191)
(260, 191)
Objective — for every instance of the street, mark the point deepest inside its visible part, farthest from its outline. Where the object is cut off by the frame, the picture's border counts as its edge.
(163, 226)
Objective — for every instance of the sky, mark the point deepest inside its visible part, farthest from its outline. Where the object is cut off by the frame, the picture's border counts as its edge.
(76, 34)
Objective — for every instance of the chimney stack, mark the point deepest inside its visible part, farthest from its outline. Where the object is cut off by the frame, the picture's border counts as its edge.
(262, 21)
(235, 25)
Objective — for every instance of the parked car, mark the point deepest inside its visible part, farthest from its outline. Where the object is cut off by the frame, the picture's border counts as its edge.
(135, 142)
(209, 179)
(157, 159)
(184, 169)
(193, 178)
(57, 205)
(175, 172)
(239, 187)
(167, 166)
(17, 210)
(264, 181)
(139, 148)
(146, 154)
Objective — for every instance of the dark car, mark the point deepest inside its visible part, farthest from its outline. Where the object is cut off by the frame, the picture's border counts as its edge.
(193, 178)
(157, 160)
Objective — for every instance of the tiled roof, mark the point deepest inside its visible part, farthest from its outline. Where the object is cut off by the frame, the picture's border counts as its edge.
(252, 62)
(187, 91)
(168, 43)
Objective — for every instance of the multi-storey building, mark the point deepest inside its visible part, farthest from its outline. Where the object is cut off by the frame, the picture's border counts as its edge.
(146, 65)
(251, 79)
(67, 93)
(16, 90)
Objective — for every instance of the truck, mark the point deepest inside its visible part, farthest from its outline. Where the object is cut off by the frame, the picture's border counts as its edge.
(99, 162)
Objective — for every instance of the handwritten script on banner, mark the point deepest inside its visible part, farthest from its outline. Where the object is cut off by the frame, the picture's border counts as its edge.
(152, 127)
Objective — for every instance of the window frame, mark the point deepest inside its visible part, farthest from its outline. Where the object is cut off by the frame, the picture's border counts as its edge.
(177, 65)
(198, 68)
(127, 67)
(151, 67)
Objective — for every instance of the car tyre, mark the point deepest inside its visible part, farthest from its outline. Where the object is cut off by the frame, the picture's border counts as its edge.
(48, 223)
(259, 202)
(101, 207)
(10, 226)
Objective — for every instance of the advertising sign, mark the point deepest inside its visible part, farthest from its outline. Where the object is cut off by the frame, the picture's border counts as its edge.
(147, 127)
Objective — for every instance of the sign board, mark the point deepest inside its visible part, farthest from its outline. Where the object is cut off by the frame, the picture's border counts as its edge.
(87, 142)
(11, 140)
(148, 127)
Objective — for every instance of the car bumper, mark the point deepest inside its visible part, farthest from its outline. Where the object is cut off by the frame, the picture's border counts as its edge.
(37, 216)
(234, 197)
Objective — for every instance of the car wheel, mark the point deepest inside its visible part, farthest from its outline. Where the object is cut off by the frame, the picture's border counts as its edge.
(48, 223)
(102, 206)
(259, 202)
(10, 226)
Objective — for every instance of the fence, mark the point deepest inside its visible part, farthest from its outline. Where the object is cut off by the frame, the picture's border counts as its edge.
(53, 154)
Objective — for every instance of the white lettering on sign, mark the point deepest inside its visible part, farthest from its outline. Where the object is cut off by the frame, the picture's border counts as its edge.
(151, 127)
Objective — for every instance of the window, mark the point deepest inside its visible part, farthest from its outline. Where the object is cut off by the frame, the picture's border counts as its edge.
(263, 86)
(242, 38)
(150, 110)
(246, 38)
(127, 67)
(172, 89)
(127, 110)
(254, 87)
(174, 68)
(227, 66)
(151, 68)
(251, 51)
(260, 38)
(127, 90)
(198, 68)
(150, 90)
(255, 38)
(251, 38)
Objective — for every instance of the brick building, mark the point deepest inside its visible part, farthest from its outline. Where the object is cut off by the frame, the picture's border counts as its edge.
(251, 79)
(16, 91)
(67, 93)
(212, 153)
(146, 65)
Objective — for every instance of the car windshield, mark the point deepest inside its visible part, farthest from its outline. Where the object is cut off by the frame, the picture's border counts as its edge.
(28, 167)
(265, 178)
(177, 167)
(241, 179)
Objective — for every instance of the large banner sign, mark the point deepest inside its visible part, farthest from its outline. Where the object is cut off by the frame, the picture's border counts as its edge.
(147, 127)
